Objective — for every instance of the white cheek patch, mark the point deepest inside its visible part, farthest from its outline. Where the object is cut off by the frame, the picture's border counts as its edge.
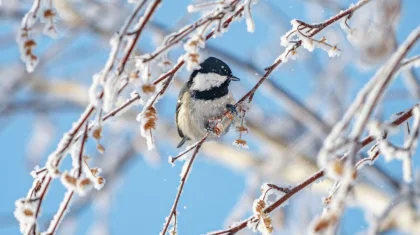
(206, 81)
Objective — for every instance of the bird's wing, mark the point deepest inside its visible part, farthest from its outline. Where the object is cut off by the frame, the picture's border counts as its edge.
(178, 106)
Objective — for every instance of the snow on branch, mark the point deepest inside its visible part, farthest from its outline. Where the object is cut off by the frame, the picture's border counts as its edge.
(404, 153)
(72, 179)
(44, 12)
(225, 120)
(303, 32)
(184, 175)
(106, 86)
(347, 175)
(321, 224)
(361, 110)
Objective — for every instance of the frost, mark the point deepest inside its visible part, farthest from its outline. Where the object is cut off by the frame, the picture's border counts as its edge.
(25, 213)
(196, 41)
(41, 10)
(308, 44)
(123, 107)
(407, 169)
(347, 29)
(334, 52)
(186, 169)
(68, 181)
(216, 5)
(49, 19)
(34, 172)
(94, 89)
(285, 40)
(170, 161)
(30, 19)
(62, 211)
(363, 106)
(52, 165)
(375, 129)
(295, 34)
(405, 152)
(94, 176)
(185, 155)
(413, 62)
(192, 8)
(273, 194)
(31, 63)
(373, 153)
(115, 43)
(192, 56)
(147, 119)
(288, 53)
(262, 221)
(75, 154)
(110, 93)
(335, 169)
(240, 143)
(250, 26)
(325, 223)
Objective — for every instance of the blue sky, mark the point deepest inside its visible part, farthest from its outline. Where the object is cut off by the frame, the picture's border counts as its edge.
(145, 193)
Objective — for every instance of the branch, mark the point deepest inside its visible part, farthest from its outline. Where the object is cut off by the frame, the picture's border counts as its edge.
(68, 139)
(138, 31)
(296, 44)
(184, 176)
(52, 229)
(176, 37)
(318, 175)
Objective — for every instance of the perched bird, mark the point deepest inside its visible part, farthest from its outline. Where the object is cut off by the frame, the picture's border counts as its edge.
(203, 97)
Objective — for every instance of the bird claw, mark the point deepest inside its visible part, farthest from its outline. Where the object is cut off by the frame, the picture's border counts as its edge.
(210, 130)
(232, 108)
(213, 127)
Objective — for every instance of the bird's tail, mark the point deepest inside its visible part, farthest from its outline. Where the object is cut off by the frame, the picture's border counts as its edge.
(182, 142)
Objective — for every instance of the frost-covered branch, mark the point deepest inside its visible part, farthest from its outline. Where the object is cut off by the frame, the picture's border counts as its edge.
(310, 180)
(362, 108)
(184, 175)
(292, 45)
(284, 57)
(224, 14)
(42, 181)
(73, 183)
(43, 11)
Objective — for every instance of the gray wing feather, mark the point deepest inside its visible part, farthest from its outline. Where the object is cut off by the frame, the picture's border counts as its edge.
(178, 106)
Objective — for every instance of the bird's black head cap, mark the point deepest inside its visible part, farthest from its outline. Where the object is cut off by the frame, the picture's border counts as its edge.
(214, 65)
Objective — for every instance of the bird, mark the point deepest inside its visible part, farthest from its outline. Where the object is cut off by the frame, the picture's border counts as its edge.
(204, 96)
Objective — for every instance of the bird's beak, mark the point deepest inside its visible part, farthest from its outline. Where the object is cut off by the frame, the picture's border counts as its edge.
(233, 78)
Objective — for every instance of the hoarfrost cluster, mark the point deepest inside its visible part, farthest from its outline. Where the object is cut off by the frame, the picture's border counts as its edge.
(42, 11)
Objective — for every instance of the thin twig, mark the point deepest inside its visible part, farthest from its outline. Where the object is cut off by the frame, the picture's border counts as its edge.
(69, 195)
(70, 137)
(181, 186)
(137, 35)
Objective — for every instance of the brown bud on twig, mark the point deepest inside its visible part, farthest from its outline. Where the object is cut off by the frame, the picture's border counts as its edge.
(100, 148)
(97, 133)
(148, 88)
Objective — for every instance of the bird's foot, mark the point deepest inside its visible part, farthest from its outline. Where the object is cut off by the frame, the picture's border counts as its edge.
(213, 127)
(232, 108)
